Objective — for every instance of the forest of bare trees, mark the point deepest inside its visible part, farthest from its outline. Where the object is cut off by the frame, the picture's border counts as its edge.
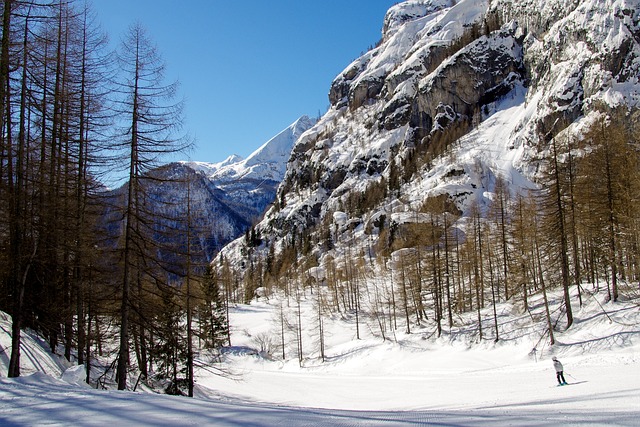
(83, 265)
(576, 232)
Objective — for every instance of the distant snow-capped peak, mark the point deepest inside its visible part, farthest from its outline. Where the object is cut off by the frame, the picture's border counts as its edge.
(268, 162)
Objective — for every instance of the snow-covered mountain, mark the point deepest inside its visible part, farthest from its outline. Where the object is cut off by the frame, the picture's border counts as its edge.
(268, 162)
(249, 185)
(226, 198)
(488, 83)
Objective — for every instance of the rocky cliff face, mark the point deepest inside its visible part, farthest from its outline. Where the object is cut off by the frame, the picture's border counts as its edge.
(489, 82)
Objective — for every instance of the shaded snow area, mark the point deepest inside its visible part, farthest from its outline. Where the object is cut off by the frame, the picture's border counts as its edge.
(408, 379)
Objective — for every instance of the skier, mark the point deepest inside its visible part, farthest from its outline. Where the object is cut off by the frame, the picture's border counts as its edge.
(559, 371)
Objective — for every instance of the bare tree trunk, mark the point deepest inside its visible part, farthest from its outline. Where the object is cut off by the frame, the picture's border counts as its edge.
(320, 325)
(552, 340)
(435, 259)
(299, 329)
(564, 247)
(447, 273)
(282, 331)
(574, 232)
(188, 286)
(15, 284)
(493, 292)
(123, 353)
(479, 279)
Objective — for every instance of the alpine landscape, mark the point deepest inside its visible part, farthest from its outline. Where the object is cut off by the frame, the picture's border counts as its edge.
(463, 212)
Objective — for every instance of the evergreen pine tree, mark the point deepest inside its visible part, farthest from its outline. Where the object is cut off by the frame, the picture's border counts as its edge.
(215, 328)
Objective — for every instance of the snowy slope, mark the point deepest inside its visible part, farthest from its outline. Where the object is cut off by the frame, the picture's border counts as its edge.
(455, 372)
(35, 354)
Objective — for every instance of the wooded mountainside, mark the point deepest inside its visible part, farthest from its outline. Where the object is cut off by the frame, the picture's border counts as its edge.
(460, 168)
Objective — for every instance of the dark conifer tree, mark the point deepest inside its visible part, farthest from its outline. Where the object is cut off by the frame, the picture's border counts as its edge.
(212, 312)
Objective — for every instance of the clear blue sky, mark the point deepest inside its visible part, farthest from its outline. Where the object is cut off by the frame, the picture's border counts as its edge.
(249, 68)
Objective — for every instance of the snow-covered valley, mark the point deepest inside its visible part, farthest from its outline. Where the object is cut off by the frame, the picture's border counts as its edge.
(401, 271)
(412, 379)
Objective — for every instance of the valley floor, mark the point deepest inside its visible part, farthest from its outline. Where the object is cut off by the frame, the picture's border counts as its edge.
(602, 393)
(368, 382)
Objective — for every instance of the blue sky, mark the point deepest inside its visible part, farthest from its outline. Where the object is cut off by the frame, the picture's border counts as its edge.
(249, 68)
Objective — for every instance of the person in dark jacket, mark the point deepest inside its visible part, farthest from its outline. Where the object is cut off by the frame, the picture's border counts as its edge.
(559, 371)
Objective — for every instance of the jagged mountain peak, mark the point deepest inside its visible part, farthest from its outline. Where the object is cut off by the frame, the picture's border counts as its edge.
(277, 150)
(268, 162)
(414, 33)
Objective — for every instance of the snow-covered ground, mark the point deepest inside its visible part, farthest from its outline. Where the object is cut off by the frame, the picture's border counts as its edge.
(409, 380)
